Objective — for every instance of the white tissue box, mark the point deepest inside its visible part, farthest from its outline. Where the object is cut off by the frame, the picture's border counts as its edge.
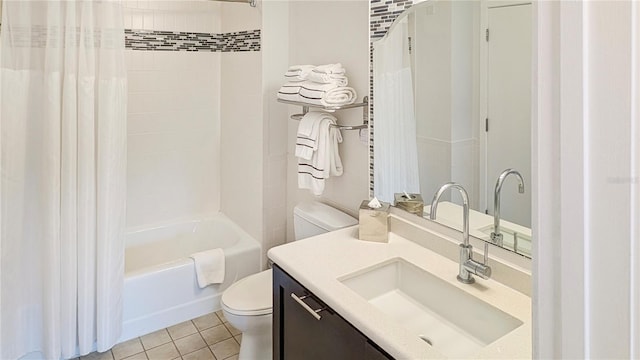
(373, 223)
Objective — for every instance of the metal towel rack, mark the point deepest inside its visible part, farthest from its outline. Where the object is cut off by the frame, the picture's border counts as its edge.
(250, 2)
(305, 109)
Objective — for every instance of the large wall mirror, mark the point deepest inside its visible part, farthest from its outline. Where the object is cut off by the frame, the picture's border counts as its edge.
(452, 102)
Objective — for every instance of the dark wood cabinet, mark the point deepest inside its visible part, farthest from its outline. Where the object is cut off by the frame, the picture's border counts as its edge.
(306, 328)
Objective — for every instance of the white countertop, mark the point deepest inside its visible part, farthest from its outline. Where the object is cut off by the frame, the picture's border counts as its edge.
(318, 262)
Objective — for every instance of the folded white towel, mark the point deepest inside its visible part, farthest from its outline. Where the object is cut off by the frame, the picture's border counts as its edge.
(330, 69)
(312, 92)
(298, 72)
(326, 94)
(209, 267)
(302, 67)
(318, 94)
(325, 161)
(289, 91)
(315, 86)
(307, 136)
(343, 95)
(319, 77)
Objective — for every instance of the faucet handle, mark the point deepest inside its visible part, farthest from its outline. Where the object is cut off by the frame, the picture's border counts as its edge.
(485, 258)
(474, 267)
(481, 269)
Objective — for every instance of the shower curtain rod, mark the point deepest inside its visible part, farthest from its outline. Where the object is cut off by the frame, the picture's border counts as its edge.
(251, 2)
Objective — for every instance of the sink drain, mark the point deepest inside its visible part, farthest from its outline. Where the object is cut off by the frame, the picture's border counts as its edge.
(426, 339)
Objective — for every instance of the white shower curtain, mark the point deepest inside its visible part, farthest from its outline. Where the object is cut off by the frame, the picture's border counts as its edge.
(62, 182)
(395, 149)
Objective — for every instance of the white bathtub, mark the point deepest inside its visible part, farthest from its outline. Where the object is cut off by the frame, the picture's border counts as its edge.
(160, 287)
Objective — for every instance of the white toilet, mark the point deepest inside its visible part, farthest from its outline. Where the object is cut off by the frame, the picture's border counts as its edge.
(247, 304)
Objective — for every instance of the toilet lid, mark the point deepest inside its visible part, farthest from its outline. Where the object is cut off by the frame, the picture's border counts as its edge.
(250, 295)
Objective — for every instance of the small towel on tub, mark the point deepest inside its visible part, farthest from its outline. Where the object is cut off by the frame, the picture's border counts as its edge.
(209, 267)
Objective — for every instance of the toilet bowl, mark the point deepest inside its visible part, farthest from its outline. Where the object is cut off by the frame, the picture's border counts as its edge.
(248, 303)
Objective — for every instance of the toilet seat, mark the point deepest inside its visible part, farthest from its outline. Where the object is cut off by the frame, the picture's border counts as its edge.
(250, 296)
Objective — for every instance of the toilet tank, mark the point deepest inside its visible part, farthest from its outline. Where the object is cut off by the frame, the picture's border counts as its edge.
(314, 218)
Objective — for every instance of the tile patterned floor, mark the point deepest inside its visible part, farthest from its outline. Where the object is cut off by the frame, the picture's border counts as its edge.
(209, 337)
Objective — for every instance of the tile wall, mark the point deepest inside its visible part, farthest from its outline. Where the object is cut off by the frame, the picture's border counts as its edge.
(242, 141)
(236, 143)
(242, 126)
(173, 117)
(153, 40)
(182, 127)
(172, 128)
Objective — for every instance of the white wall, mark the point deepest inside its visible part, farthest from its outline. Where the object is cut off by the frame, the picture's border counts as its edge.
(433, 100)
(586, 180)
(328, 32)
(464, 97)
(173, 117)
(446, 92)
(242, 125)
(275, 61)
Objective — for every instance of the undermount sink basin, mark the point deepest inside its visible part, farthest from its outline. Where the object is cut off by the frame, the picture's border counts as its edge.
(454, 322)
(509, 239)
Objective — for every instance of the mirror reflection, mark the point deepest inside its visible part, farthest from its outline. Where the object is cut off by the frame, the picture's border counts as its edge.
(452, 103)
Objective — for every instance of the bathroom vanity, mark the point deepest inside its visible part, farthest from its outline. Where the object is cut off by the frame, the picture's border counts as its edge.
(310, 329)
(339, 297)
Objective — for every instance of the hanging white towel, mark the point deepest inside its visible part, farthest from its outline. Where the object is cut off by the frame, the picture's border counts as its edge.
(335, 163)
(310, 177)
(209, 266)
(325, 161)
(307, 136)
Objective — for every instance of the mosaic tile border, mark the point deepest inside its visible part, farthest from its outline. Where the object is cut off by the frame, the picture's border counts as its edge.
(150, 40)
(382, 13)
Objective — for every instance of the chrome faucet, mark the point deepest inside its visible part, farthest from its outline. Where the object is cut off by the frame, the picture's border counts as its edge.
(496, 235)
(468, 266)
